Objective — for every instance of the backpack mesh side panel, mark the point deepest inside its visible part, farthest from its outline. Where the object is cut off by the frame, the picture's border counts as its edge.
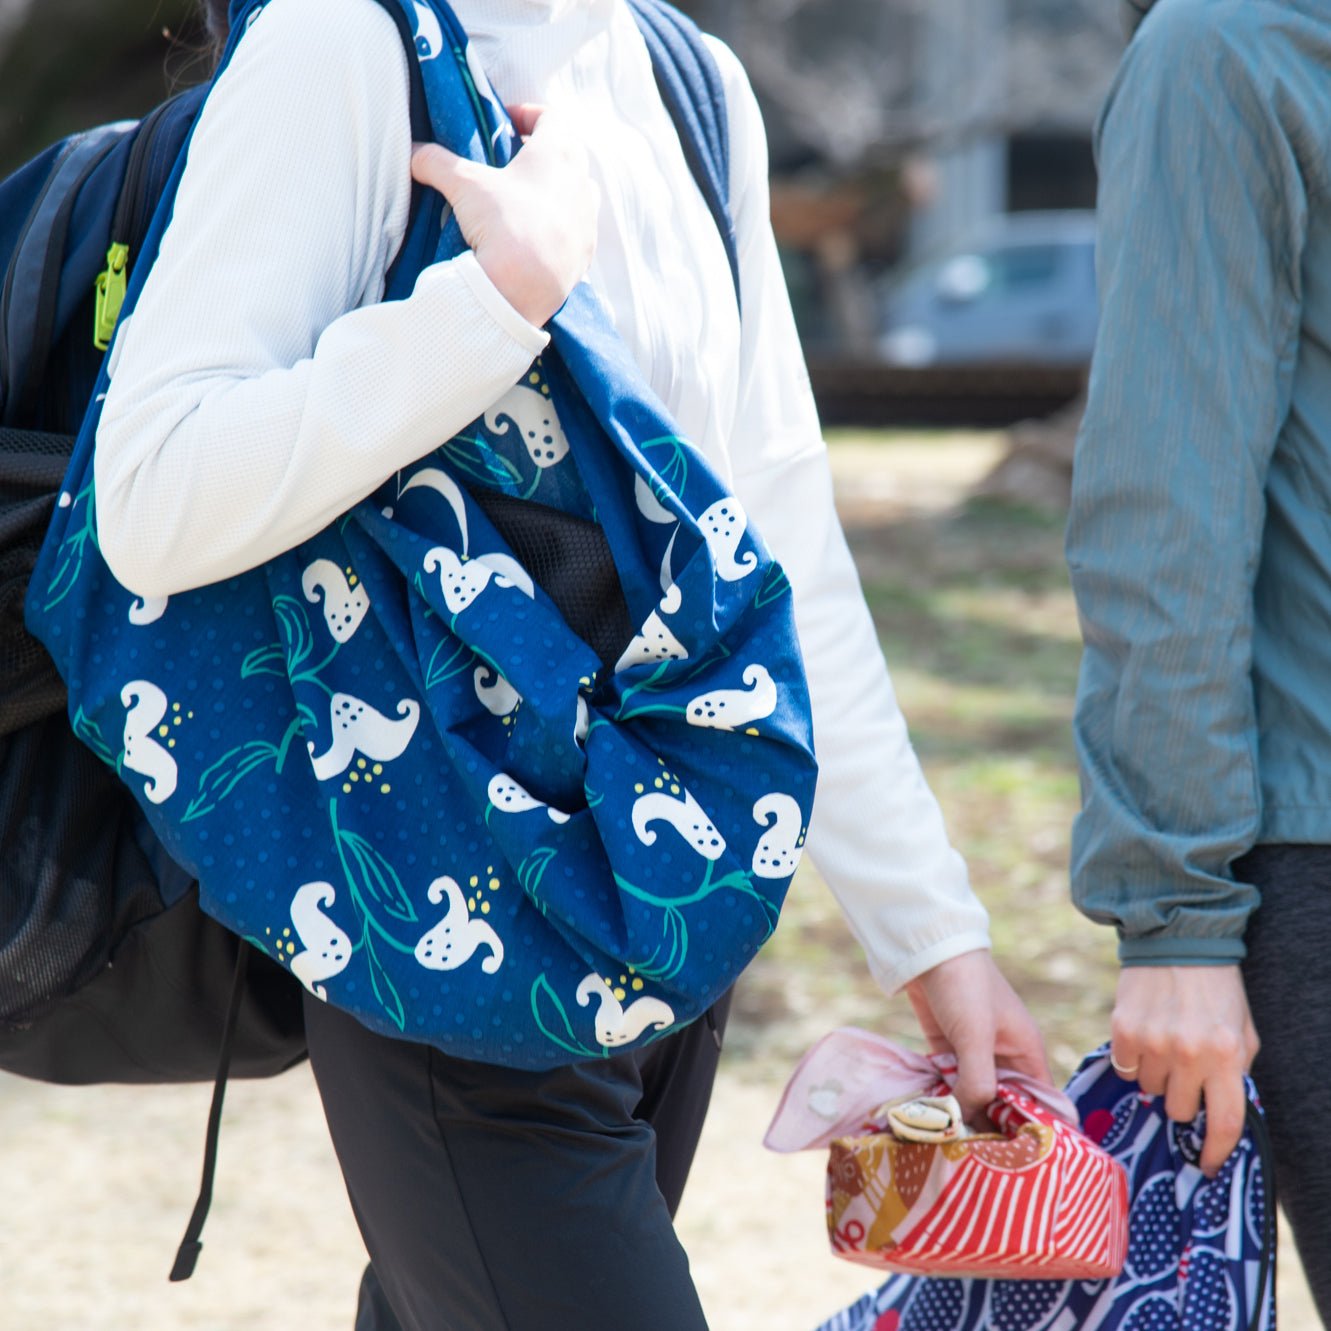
(32, 466)
(73, 878)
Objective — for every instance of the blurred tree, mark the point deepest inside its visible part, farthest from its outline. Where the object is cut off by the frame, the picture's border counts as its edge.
(67, 64)
(842, 80)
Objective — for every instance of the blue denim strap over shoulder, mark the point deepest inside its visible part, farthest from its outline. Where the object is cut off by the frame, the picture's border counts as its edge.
(391, 763)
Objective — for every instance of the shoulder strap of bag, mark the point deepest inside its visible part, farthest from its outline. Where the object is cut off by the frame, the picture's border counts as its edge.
(693, 92)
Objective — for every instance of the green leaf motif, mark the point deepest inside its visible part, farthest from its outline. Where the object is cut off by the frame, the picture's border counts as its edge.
(69, 561)
(384, 990)
(219, 780)
(376, 878)
(532, 870)
(270, 660)
(91, 734)
(445, 664)
(668, 959)
(294, 625)
(674, 469)
(566, 1038)
(775, 586)
(476, 459)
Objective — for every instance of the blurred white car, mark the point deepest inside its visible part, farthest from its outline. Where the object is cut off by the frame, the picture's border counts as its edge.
(1020, 291)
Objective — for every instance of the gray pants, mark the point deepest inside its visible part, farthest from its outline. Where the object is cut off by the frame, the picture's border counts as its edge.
(496, 1200)
(1288, 978)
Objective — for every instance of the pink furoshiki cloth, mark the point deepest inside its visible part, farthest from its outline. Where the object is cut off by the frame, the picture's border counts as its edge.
(1037, 1198)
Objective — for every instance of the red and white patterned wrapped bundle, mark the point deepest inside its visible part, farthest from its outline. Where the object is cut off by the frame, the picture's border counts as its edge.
(1037, 1199)
(1044, 1201)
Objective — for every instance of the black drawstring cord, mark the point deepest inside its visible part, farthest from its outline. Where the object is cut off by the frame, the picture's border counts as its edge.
(710, 1014)
(187, 1255)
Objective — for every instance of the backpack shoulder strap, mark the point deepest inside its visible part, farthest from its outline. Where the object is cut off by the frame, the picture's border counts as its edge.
(693, 92)
(32, 277)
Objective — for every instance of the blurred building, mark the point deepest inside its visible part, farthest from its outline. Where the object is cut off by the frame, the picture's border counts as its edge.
(898, 125)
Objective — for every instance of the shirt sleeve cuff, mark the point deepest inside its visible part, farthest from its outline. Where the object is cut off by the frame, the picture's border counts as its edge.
(530, 338)
(892, 979)
(1167, 951)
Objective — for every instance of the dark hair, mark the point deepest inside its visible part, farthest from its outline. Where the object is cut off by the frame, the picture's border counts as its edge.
(215, 16)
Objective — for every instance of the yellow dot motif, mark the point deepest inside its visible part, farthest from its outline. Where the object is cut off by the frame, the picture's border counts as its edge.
(637, 983)
(493, 884)
(378, 769)
(163, 731)
(385, 788)
(485, 907)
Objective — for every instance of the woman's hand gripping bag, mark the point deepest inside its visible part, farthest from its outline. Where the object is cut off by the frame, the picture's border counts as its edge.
(910, 1190)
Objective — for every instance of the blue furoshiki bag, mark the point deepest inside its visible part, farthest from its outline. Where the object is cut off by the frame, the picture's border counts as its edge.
(387, 758)
(1201, 1252)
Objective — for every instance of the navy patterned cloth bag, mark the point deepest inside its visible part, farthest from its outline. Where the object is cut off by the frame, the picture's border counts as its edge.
(1201, 1252)
(388, 759)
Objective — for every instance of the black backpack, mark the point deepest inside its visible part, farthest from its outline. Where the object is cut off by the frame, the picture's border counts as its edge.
(82, 878)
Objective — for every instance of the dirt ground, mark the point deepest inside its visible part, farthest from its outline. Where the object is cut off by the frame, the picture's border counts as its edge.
(97, 1184)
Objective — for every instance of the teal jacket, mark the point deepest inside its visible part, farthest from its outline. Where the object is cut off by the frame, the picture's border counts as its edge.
(1200, 532)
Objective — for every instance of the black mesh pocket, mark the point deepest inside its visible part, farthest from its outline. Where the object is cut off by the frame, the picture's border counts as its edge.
(73, 877)
(32, 467)
(569, 559)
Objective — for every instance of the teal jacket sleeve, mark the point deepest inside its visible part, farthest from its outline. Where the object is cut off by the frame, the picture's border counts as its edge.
(1202, 217)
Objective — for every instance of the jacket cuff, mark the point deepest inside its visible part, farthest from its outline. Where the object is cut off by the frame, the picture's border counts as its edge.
(1175, 951)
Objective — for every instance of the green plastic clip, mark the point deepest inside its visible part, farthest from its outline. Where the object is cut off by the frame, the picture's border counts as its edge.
(111, 287)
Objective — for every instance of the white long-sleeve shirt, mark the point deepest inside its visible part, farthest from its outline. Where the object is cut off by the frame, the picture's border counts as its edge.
(262, 387)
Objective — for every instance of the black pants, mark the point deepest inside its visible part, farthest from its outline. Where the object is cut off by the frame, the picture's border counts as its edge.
(496, 1200)
(1288, 978)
